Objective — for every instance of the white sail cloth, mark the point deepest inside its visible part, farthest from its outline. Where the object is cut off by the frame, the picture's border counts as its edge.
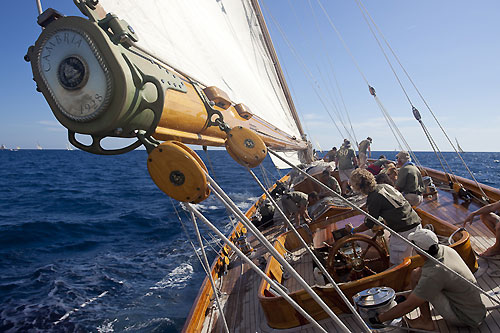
(216, 42)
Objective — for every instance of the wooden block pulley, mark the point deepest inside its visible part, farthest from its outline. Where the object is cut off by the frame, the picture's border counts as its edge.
(179, 172)
(245, 146)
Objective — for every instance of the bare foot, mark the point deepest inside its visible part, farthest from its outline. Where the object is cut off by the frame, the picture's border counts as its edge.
(419, 323)
(492, 251)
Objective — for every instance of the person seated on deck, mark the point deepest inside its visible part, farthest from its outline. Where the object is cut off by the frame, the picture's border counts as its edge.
(492, 222)
(363, 147)
(454, 299)
(378, 165)
(346, 162)
(295, 206)
(331, 156)
(385, 201)
(329, 181)
(409, 181)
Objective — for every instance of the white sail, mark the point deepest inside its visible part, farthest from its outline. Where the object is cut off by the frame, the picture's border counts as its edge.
(218, 43)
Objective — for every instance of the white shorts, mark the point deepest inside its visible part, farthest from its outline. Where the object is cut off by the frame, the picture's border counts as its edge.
(345, 174)
(413, 198)
(398, 249)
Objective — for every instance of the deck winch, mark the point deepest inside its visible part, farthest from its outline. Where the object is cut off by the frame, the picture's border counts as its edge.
(245, 146)
(372, 301)
(179, 172)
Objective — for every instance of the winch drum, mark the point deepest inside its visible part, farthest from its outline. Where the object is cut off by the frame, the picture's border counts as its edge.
(372, 301)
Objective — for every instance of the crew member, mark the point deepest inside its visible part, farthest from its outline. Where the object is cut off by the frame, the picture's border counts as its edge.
(385, 201)
(346, 161)
(409, 181)
(294, 205)
(363, 147)
(458, 302)
(329, 181)
(492, 222)
(331, 156)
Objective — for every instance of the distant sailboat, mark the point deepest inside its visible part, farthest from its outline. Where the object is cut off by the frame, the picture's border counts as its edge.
(3, 147)
(458, 147)
(38, 146)
(69, 147)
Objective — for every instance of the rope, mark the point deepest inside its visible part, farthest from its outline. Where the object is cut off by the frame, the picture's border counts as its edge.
(189, 238)
(377, 222)
(219, 193)
(313, 256)
(255, 268)
(210, 277)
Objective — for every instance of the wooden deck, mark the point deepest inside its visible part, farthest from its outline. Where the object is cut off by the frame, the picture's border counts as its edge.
(240, 285)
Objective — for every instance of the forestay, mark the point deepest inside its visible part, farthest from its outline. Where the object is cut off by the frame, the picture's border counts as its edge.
(218, 43)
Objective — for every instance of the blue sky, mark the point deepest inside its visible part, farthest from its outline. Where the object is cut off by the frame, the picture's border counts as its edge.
(450, 48)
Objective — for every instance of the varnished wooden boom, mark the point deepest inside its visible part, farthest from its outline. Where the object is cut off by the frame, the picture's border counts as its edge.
(184, 118)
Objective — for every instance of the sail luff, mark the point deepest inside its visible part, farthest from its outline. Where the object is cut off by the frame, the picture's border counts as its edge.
(277, 66)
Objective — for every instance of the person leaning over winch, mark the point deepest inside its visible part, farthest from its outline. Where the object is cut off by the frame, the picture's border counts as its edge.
(295, 203)
(409, 181)
(458, 302)
(385, 201)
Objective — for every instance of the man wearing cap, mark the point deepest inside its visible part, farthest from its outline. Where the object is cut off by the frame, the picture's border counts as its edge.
(454, 299)
(384, 201)
(363, 146)
(346, 160)
(409, 181)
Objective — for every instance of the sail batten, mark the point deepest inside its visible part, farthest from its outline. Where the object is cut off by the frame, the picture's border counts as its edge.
(219, 43)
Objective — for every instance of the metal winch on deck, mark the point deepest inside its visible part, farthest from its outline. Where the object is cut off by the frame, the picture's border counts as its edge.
(372, 301)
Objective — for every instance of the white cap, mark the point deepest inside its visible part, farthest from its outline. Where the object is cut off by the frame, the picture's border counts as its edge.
(423, 238)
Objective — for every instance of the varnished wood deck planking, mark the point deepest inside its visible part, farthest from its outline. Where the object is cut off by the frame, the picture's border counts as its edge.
(244, 314)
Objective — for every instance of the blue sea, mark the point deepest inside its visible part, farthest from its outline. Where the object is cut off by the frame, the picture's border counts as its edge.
(89, 243)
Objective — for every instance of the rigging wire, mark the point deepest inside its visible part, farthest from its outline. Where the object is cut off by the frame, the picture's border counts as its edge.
(330, 95)
(332, 69)
(305, 69)
(427, 133)
(214, 288)
(422, 98)
(372, 91)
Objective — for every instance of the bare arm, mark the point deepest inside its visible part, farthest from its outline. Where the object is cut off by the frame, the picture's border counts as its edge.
(348, 227)
(411, 303)
(483, 210)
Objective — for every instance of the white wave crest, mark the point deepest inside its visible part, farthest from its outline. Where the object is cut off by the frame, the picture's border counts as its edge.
(175, 279)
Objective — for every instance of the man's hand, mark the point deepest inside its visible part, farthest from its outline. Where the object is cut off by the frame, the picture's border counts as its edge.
(375, 322)
(348, 227)
(469, 219)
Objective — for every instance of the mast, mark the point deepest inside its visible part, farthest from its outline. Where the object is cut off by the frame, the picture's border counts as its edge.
(277, 66)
